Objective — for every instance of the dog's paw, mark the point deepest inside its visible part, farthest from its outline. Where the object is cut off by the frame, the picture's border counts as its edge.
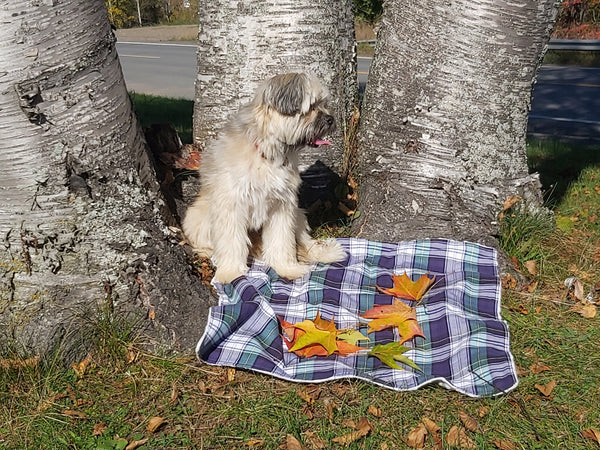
(292, 271)
(226, 275)
(326, 252)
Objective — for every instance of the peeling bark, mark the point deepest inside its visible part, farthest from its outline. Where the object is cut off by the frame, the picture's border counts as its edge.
(80, 208)
(243, 43)
(442, 132)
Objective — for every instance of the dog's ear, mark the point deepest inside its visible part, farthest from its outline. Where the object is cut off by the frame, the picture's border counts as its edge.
(287, 93)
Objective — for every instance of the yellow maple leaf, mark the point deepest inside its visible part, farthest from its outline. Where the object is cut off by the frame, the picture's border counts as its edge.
(398, 315)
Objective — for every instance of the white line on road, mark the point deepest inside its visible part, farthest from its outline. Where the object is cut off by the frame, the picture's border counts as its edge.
(140, 56)
(156, 43)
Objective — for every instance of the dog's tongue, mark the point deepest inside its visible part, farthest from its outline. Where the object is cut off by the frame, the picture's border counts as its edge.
(322, 142)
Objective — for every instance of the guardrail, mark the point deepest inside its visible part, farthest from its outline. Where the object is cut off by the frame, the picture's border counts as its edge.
(555, 44)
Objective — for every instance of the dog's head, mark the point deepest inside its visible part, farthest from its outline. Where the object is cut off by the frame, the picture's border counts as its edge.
(291, 108)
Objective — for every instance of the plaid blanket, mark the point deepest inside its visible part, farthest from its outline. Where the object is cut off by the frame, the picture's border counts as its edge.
(466, 344)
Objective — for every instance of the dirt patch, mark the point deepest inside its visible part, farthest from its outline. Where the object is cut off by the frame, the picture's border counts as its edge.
(159, 33)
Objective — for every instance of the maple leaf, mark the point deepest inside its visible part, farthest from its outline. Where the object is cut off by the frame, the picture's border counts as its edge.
(313, 337)
(407, 289)
(397, 315)
(352, 336)
(392, 352)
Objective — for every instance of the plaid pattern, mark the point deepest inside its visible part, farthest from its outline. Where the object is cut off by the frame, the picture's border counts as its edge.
(466, 346)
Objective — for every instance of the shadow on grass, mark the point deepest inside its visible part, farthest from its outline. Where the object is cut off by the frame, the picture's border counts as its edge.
(175, 111)
(559, 164)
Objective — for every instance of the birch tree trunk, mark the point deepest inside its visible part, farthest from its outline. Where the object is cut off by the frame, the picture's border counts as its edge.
(80, 216)
(443, 128)
(240, 44)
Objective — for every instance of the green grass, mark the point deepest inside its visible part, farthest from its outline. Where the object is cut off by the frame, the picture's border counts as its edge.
(213, 408)
(177, 112)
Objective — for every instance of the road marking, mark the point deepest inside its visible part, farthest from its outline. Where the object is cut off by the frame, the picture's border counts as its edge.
(564, 119)
(156, 43)
(141, 56)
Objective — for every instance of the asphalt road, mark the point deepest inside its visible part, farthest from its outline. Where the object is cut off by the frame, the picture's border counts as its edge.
(566, 100)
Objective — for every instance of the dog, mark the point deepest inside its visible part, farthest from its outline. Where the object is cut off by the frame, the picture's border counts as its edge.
(249, 181)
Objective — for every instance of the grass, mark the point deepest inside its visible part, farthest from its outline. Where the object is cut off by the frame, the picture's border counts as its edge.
(107, 400)
(153, 109)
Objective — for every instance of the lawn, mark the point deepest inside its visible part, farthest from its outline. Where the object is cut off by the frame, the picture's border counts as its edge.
(122, 397)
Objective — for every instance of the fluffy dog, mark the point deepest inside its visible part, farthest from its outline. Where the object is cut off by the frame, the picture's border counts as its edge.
(249, 183)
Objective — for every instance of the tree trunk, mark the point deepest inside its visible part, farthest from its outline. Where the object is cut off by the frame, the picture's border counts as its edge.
(243, 43)
(80, 213)
(442, 132)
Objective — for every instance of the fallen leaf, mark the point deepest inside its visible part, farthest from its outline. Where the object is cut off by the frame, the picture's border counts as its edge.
(19, 363)
(591, 433)
(315, 442)
(458, 438)
(253, 442)
(374, 410)
(584, 309)
(522, 310)
(416, 437)
(435, 432)
(313, 335)
(309, 396)
(469, 422)
(362, 429)
(508, 281)
(135, 444)
(575, 288)
(73, 413)
(99, 428)
(392, 352)
(509, 203)
(352, 336)
(530, 287)
(483, 411)
(531, 267)
(154, 424)
(230, 374)
(547, 388)
(398, 315)
(81, 367)
(505, 445)
(329, 407)
(539, 367)
(131, 354)
(174, 398)
(407, 289)
(292, 443)
(190, 158)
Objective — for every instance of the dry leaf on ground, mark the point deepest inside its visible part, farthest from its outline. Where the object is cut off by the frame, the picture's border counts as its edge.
(547, 388)
(538, 367)
(469, 422)
(154, 423)
(374, 410)
(505, 445)
(591, 433)
(531, 267)
(292, 443)
(416, 437)
(19, 363)
(363, 427)
(457, 437)
(584, 309)
(99, 428)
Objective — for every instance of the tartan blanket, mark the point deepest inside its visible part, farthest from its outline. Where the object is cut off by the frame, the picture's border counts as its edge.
(466, 344)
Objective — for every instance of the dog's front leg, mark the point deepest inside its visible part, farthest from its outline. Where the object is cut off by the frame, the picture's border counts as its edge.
(310, 250)
(229, 233)
(279, 243)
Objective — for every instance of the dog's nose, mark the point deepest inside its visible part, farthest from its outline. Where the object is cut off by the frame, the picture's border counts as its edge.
(330, 120)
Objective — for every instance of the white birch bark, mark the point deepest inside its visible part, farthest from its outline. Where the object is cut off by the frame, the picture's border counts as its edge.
(79, 208)
(442, 133)
(240, 44)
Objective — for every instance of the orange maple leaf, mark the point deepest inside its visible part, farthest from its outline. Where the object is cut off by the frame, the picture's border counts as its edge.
(407, 289)
(398, 315)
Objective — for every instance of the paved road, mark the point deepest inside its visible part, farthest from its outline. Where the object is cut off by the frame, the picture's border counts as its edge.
(566, 100)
